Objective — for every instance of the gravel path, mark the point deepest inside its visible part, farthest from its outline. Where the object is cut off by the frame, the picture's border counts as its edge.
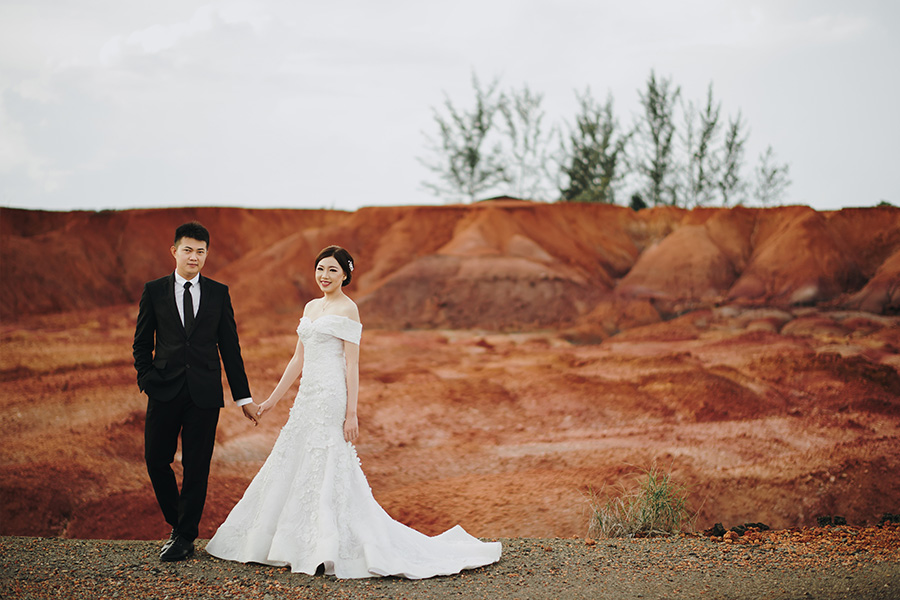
(823, 563)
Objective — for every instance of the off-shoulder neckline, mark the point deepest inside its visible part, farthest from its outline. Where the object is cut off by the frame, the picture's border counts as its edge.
(328, 315)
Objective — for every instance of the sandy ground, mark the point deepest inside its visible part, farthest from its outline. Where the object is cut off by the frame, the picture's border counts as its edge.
(833, 563)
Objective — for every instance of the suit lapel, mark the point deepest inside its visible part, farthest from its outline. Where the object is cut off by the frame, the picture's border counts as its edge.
(205, 291)
(170, 300)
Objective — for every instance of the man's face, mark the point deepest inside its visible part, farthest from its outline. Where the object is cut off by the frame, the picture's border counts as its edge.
(190, 255)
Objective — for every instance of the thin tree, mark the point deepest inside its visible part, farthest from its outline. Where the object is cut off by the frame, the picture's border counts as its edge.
(464, 163)
(731, 186)
(528, 143)
(689, 171)
(595, 153)
(772, 179)
(656, 129)
(701, 168)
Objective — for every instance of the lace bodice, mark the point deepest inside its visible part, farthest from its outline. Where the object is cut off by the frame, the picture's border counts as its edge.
(321, 403)
(323, 347)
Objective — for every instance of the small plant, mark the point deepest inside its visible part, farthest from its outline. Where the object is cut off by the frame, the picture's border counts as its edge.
(658, 506)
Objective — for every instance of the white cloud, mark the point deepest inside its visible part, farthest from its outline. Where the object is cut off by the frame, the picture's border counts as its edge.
(165, 36)
(17, 157)
(829, 29)
(773, 33)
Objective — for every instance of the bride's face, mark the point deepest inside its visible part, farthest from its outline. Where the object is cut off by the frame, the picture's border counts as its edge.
(329, 274)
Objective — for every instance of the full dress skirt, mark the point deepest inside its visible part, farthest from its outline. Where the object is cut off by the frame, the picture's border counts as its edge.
(310, 503)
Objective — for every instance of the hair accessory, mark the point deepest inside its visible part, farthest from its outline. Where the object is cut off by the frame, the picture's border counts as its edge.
(350, 264)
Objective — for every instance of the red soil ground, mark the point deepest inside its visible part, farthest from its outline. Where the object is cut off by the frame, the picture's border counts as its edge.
(514, 357)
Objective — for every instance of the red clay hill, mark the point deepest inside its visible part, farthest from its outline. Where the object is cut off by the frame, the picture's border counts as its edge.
(515, 355)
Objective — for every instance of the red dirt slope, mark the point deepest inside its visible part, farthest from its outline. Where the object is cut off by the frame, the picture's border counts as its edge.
(446, 266)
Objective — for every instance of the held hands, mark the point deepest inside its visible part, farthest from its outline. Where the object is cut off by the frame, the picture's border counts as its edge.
(351, 428)
(250, 412)
(265, 407)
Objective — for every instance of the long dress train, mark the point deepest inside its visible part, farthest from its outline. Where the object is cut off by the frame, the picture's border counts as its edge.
(310, 503)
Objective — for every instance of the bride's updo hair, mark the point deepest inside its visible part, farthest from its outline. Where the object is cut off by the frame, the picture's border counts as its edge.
(342, 256)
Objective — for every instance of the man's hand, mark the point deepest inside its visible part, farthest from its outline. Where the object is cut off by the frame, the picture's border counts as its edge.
(250, 412)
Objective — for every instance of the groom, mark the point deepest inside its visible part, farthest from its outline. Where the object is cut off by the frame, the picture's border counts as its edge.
(185, 323)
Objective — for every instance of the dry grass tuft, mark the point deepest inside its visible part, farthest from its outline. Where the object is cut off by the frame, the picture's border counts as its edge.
(657, 506)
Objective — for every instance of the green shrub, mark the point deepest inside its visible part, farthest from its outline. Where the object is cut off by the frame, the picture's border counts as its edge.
(657, 506)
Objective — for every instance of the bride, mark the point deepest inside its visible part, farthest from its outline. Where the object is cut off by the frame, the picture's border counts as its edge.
(310, 503)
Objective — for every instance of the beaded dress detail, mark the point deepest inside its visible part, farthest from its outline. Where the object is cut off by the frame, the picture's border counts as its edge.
(310, 503)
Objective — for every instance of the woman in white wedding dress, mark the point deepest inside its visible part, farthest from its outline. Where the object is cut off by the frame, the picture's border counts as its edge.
(310, 503)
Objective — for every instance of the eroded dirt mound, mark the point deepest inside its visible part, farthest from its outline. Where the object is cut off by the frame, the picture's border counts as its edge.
(493, 265)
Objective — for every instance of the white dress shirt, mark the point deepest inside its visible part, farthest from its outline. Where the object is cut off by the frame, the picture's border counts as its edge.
(179, 294)
(195, 296)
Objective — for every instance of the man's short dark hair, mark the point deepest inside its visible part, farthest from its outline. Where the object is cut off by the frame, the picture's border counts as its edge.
(192, 230)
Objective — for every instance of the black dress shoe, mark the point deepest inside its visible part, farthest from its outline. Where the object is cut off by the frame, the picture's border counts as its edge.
(169, 541)
(180, 549)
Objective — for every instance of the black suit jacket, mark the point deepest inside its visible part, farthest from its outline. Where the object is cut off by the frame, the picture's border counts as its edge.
(165, 355)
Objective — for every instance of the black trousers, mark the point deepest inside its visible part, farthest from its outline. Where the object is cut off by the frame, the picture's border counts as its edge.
(197, 427)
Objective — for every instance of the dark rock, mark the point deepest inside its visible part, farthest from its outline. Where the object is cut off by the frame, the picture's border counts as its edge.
(840, 520)
(889, 518)
(739, 529)
(716, 530)
(824, 520)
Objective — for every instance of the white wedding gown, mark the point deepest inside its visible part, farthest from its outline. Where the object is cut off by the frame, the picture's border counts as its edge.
(310, 503)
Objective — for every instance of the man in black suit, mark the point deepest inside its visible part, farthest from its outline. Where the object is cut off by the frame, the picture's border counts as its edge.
(185, 323)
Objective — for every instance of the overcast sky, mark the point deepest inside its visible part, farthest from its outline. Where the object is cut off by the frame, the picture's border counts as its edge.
(289, 103)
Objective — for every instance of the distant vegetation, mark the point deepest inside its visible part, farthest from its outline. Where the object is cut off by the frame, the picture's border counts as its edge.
(675, 152)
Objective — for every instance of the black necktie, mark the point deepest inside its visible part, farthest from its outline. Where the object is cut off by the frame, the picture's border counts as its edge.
(188, 307)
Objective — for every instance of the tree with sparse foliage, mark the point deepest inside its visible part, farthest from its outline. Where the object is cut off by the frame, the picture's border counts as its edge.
(731, 186)
(701, 164)
(528, 143)
(656, 131)
(464, 163)
(595, 152)
(771, 179)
